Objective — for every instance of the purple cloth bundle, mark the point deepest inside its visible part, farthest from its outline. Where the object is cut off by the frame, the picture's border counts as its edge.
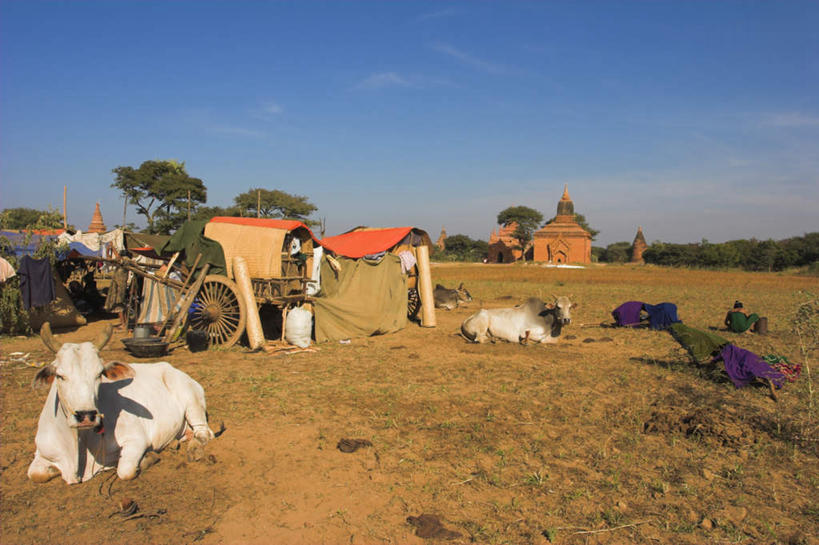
(628, 314)
(743, 366)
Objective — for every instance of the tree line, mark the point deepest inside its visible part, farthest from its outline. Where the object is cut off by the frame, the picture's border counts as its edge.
(747, 254)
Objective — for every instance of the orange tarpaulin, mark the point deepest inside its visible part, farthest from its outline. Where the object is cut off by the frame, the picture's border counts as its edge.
(357, 244)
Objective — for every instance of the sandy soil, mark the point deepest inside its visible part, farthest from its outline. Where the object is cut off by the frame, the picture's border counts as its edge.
(610, 436)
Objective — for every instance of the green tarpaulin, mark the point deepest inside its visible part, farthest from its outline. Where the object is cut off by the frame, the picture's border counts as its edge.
(362, 299)
(189, 238)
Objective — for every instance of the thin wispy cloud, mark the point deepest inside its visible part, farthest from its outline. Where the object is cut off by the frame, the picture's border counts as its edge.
(271, 107)
(236, 131)
(383, 80)
(791, 119)
(448, 12)
(469, 60)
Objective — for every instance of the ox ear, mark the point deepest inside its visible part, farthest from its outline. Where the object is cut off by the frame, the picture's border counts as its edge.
(44, 377)
(116, 370)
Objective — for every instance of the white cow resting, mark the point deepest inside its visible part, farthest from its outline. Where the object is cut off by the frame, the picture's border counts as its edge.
(102, 415)
(530, 321)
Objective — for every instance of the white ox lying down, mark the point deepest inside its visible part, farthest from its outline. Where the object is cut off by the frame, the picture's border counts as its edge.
(102, 415)
(530, 321)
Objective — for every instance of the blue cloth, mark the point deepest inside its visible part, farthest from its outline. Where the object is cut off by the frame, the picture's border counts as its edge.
(661, 316)
(16, 242)
(743, 366)
(36, 282)
(628, 314)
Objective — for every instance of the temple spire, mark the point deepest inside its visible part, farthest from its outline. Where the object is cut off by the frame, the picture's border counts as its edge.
(97, 225)
(565, 207)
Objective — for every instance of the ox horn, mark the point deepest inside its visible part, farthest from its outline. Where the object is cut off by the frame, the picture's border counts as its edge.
(103, 338)
(48, 338)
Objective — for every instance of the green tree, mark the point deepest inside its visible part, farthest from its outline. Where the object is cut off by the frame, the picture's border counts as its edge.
(618, 252)
(159, 190)
(29, 218)
(274, 203)
(527, 220)
(462, 248)
(208, 212)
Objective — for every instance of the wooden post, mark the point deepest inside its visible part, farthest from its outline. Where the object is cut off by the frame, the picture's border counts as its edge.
(124, 210)
(65, 214)
(258, 203)
(425, 287)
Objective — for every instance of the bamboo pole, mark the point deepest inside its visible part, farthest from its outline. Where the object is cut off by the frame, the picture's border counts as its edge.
(255, 333)
(425, 287)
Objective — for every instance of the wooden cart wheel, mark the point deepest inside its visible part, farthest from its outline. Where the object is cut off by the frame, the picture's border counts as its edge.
(219, 310)
(413, 303)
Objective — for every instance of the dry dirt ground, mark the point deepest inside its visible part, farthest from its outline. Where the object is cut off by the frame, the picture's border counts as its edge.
(610, 436)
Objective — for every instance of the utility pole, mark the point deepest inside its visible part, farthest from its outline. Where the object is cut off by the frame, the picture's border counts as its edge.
(65, 214)
(258, 203)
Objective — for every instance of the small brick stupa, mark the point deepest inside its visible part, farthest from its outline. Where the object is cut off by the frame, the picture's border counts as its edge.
(441, 242)
(638, 247)
(563, 240)
(97, 225)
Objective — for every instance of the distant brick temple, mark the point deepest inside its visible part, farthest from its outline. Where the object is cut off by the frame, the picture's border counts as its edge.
(503, 246)
(638, 247)
(97, 225)
(563, 240)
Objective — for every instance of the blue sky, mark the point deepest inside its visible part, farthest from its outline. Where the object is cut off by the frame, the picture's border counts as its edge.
(692, 119)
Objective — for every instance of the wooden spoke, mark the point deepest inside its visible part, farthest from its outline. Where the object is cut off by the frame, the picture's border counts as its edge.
(220, 311)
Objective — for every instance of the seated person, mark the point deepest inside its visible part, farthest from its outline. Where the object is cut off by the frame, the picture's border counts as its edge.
(737, 320)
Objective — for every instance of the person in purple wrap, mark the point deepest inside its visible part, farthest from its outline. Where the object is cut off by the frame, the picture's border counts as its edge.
(628, 314)
(743, 367)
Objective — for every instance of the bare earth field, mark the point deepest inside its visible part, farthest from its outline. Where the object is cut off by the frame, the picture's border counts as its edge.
(610, 436)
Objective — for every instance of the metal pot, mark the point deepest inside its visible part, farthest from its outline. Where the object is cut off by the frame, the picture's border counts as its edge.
(143, 331)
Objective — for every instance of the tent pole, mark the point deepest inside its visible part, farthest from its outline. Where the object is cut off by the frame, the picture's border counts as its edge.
(65, 199)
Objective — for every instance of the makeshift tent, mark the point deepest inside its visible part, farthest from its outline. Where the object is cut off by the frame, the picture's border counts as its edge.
(144, 244)
(98, 244)
(365, 283)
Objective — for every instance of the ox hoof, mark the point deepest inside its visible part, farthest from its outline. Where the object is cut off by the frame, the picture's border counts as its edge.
(149, 459)
(43, 475)
(196, 451)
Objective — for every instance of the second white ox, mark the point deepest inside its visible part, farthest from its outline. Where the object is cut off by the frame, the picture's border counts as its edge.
(102, 415)
(530, 321)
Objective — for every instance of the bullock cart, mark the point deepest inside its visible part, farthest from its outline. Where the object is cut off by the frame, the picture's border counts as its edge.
(279, 256)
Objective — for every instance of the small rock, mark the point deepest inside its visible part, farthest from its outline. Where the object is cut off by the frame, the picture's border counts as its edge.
(621, 505)
(708, 475)
(706, 524)
(692, 516)
(733, 514)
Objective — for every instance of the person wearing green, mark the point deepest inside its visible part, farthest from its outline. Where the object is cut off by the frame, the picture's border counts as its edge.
(738, 321)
